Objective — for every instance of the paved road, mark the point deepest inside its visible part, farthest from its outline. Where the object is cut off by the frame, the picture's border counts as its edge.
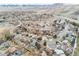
(68, 19)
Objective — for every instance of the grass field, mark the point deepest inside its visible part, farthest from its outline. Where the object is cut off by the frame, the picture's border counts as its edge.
(77, 49)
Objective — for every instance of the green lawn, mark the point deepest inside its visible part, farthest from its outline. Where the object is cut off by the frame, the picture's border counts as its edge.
(77, 49)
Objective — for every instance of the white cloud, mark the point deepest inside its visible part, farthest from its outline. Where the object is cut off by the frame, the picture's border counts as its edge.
(38, 1)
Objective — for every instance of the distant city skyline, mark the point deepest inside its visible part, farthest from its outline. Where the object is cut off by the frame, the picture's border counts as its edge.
(38, 2)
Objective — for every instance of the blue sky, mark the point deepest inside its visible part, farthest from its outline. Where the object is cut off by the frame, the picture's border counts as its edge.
(38, 1)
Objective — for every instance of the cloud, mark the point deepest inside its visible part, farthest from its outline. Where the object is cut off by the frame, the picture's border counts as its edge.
(38, 1)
